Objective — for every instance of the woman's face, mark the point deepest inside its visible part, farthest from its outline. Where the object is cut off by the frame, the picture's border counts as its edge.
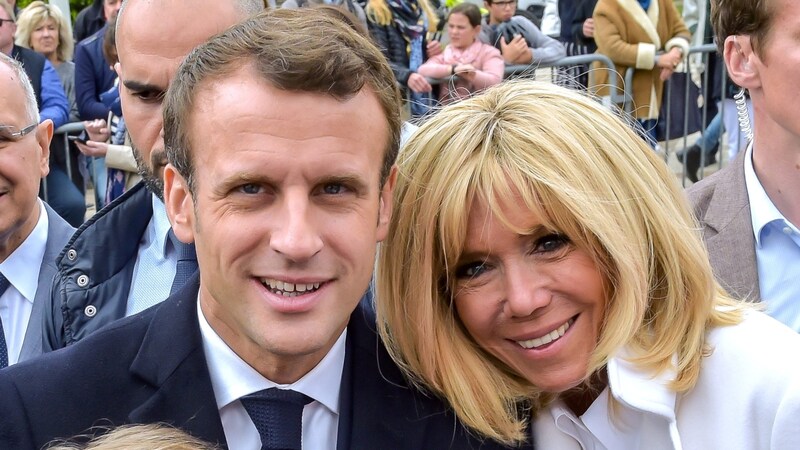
(462, 33)
(534, 301)
(44, 38)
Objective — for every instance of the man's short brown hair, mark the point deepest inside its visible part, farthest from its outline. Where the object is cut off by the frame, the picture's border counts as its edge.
(746, 17)
(306, 50)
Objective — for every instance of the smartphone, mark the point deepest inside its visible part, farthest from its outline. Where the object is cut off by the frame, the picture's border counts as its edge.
(76, 139)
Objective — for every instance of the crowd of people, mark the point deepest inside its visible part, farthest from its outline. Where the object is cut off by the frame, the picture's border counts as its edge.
(282, 263)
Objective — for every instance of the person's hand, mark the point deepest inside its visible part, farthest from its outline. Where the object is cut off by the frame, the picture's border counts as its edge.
(465, 71)
(97, 130)
(516, 51)
(434, 48)
(418, 83)
(93, 148)
(666, 72)
(670, 60)
(588, 27)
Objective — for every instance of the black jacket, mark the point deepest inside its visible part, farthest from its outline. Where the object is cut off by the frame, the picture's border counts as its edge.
(395, 48)
(95, 269)
(151, 368)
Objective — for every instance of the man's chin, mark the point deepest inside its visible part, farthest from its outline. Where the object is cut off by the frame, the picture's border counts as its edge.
(152, 178)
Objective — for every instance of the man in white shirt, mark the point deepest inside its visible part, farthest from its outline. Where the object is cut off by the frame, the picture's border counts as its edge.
(282, 134)
(31, 234)
(750, 210)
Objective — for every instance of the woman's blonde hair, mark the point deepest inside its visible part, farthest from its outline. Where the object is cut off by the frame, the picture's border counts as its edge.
(378, 12)
(583, 171)
(136, 437)
(33, 16)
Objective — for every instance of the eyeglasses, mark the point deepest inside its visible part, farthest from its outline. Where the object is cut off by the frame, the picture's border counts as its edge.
(505, 4)
(12, 133)
(5, 20)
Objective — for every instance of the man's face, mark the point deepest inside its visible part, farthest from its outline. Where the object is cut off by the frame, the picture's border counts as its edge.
(776, 90)
(286, 215)
(111, 8)
(500, 10)
(23, 162)
(7, 30)
(149, 56)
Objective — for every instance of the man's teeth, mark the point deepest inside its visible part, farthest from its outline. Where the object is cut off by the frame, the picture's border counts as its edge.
(547, 338)
(289, 289)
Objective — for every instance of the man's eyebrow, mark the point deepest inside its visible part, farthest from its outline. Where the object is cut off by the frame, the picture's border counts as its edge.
(138, 86)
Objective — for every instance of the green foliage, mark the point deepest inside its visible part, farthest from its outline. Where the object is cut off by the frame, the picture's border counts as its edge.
(75, 6)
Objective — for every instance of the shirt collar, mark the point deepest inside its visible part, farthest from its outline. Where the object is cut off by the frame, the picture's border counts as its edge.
(232, 378)
(161, 226)
(21, 268)
(762, 210)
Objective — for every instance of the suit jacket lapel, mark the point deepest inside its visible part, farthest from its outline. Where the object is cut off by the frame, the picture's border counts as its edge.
(732, 249)
(58, 234)
(171, 359)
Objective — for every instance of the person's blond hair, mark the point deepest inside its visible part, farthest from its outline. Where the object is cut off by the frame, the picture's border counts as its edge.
(136, 437)
(378, 12)
(34, 15)
(586, 174)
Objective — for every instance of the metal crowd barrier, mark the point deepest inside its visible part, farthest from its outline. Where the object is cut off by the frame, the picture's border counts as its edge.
(530, 70)
(696, 73)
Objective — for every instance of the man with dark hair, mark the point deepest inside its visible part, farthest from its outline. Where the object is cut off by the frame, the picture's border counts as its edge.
(749, 210)
(31, 234)
(281, 172)
(127, 259)
(519, 40)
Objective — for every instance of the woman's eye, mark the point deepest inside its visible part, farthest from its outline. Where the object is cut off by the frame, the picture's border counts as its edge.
(550, 243)
(471, 270)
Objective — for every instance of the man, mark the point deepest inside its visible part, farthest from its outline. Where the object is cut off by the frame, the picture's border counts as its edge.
(31, 234)
(93, 76)
(89, 21)
(750, 210)
(528, 44)
(127, 260)
(281, 171)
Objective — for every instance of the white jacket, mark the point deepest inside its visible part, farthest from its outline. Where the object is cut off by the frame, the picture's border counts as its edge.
(747, 397)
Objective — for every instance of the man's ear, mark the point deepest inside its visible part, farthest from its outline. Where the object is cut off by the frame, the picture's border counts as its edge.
(742, 61)
(386, 203)
(44, 134)
(180, 204)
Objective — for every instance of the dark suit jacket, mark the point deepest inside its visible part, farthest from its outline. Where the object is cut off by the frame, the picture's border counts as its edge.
(721, 205)
(151, 368)
(58, 233)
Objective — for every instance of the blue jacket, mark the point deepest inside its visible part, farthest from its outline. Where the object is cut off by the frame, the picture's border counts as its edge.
(95, 270)
(93, 76)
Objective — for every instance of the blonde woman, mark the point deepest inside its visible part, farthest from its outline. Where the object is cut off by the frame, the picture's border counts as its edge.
(541, 255)
(43, 29)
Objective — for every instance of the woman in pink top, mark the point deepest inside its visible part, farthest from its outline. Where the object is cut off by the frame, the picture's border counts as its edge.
(473, 64)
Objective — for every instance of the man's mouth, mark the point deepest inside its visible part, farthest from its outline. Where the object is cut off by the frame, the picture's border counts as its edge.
(287, 289)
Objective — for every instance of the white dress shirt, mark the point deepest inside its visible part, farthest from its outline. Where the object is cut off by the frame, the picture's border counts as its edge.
(21, 269)
(155, 266)
(747, 397)
(232, 378)
(777, 252)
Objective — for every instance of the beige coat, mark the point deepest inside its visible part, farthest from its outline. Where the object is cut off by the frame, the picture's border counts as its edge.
(632, 37)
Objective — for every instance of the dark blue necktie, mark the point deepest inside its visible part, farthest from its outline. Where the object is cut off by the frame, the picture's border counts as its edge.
(187, 262)
(4, 284)
(278, 416)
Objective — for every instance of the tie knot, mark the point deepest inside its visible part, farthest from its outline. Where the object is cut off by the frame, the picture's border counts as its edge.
(185, 252)
(278, 417)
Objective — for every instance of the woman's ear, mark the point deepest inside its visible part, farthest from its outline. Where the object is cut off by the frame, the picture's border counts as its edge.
(742, 62)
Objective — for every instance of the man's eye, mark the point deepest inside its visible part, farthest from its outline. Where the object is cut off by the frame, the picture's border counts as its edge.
(149, 96)
(250, 189)
(334, 189)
